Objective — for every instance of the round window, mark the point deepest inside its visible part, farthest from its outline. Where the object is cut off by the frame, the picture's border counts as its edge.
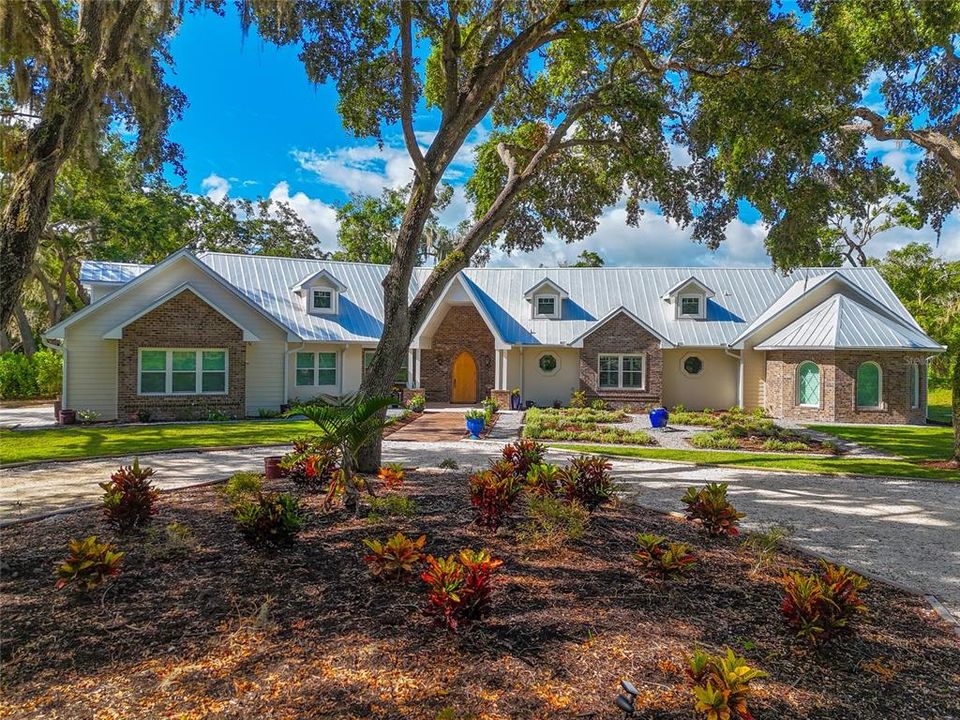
(692, 365)
(548, 363)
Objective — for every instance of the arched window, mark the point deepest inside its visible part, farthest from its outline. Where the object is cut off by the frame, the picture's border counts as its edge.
(869, 379)
(913, 372)
(808, 384)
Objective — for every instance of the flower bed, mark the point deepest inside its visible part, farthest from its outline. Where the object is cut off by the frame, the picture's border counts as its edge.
(582, 425)
(217, 628)
(738, 430)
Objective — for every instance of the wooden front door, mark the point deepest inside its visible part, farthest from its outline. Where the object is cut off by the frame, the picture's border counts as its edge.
(464, 373)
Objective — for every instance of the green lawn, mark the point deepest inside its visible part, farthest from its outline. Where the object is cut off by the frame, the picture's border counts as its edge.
(766, 461)
(74, 442)
(940, 404)
(913, 443)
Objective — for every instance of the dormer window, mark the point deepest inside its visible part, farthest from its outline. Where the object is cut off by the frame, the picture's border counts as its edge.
(545, 306)
(323, 300)
(320, 293)
(690, 306)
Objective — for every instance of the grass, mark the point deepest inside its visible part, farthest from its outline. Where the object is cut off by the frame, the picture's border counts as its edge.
(77, 442)
(800, 463)
(913, 442)
(940, 404)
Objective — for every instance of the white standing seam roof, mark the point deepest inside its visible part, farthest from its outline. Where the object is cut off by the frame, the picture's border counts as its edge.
(101, 271)
(842, 323)
(743, 295)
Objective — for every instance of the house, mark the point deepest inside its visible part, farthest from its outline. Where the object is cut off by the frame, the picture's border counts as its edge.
(237, 334)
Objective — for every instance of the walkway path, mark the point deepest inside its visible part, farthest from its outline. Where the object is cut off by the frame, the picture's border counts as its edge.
(433, 426)
(904, 531)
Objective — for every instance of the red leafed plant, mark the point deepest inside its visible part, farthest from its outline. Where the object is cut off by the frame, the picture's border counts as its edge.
(523, 454)
(129, 496)
(89, 564)
(492, 492)
(587, 480)
(819, 607)
(460, 586)
(709, 507)
(661, 559)
(311, 465)
(395, 557)
(392, 476)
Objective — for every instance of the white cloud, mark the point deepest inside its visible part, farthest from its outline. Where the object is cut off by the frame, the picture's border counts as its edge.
(215, 187)
(322, 218)
(366, 169)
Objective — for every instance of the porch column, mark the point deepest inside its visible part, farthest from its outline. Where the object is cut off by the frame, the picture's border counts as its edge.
(503, 370)
(411, 365)
(416, 356)
(497, 381)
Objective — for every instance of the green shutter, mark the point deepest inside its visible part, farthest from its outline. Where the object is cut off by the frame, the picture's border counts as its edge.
(808, 384)
(868, 385)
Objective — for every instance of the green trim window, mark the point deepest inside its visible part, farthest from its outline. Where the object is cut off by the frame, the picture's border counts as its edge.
(621, 372)
(808, 384)
(869, 385)
(182, 372)
(322, 299)
(402, 373)
(316, 369)
(913, 371)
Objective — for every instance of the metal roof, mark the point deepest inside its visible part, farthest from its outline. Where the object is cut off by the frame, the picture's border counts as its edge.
(101, 271)
(842, 323)
(743, 295)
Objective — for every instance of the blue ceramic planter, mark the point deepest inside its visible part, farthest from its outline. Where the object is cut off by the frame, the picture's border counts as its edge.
(659, 417)
(475, 427)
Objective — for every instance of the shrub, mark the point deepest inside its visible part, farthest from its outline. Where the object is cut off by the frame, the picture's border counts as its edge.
(312, 465)
(775, 445)
(599, 404)
(392, 476)
(764, 544)
(722, 684)
(391, 506)
(578, 399)
(459, 587)
(714, 440)
(88, 416)
(27, 377)
(661, 559)
(490, 408)
(395, 557)
(523, 454)
(820, 607)
(242, 485)
(492, 494)
(544, 479)
(129, 496)
(587, 480)
(417, 403)
(173, 541)
(267, 413)
(551, 523)
(89, 564)
(709, 507)
(449, 464)
(271, 520)
(48, 370)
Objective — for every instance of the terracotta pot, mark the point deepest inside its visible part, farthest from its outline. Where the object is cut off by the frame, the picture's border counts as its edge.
(271, 467)
(68, 417)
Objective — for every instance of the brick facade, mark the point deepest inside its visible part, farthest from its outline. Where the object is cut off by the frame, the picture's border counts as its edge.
(838, 372)
(184, 321)
(462, 329)
(621, 334)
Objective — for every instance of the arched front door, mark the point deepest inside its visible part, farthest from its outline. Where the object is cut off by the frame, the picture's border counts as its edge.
(464, 373)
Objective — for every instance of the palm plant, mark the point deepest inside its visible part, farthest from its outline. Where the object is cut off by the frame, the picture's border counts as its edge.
(348, 425)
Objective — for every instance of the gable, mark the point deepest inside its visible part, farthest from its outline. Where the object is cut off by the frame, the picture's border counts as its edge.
(620, 320)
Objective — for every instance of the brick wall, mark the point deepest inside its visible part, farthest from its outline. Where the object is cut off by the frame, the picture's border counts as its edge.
(185, 321)
(838, 372)
(622, 335)
(462, 329)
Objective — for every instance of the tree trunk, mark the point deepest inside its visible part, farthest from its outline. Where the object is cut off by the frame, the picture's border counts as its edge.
(956, 407)
(27, 342)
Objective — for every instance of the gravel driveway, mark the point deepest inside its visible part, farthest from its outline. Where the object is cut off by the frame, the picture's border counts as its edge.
(904, 531)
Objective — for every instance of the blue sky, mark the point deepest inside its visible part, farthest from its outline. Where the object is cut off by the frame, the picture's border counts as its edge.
(255, 126)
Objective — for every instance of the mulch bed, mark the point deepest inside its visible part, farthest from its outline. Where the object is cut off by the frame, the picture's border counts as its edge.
(229, 632)
(813, 447)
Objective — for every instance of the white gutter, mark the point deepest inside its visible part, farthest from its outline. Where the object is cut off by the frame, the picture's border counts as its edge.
(522, 394)
(739, 358)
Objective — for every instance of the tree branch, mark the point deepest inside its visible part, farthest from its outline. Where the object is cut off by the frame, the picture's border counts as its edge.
(406, 88)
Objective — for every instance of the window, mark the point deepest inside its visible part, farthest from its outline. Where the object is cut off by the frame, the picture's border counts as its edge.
(914, 372)
(546, 305)
(402, 373)
(316, 368)
(808, 384)
(622, 371)
(691, 306)
(868, 385)
(183, 372)
(548, 363)
(323, 301)
(692, 365)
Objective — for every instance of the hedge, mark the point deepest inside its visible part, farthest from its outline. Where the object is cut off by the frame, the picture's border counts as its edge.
(38, 376)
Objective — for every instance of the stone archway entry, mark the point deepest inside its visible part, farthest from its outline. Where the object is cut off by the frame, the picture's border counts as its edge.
(464, 378)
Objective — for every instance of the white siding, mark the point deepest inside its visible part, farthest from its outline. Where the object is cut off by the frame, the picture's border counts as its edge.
(91, 373)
